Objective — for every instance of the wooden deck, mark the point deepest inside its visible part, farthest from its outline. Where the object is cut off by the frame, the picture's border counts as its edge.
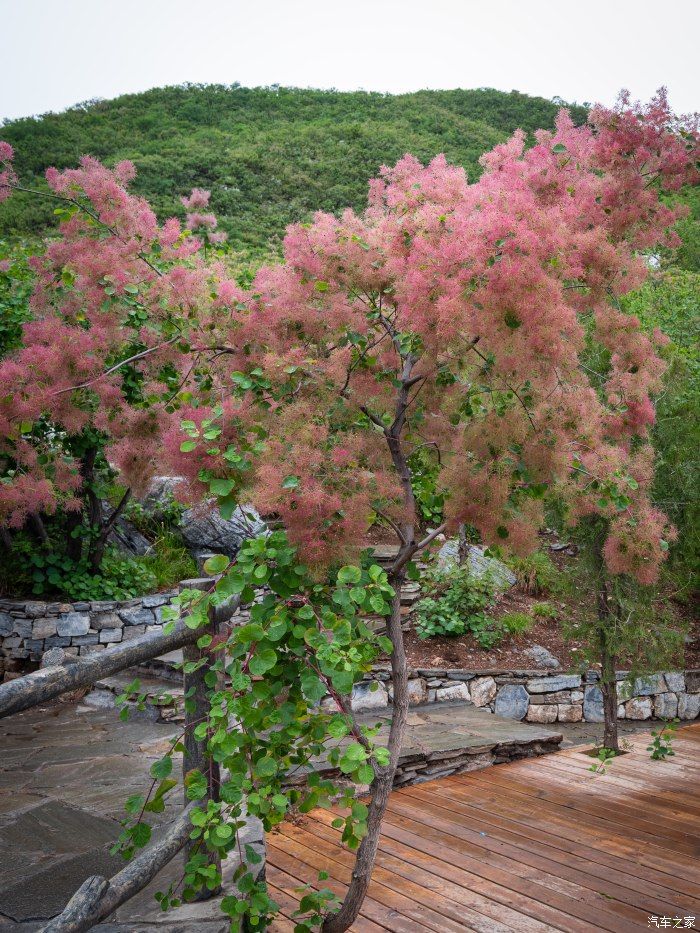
(539, 844)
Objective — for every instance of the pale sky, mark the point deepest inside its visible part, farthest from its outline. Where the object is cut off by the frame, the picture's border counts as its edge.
(55, 53)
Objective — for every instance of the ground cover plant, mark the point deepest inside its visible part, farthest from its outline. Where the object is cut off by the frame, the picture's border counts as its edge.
(450, 317)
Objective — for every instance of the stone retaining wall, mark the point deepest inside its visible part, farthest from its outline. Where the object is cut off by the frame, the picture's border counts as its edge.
(29, 628)
(540, 696)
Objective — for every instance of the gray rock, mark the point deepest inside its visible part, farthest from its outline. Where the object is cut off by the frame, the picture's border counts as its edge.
(512, 702)
(56, 641)
(6, 621)
(639, 708)
(22, 627)
(90, 639)
(692, 681)
(157, 599)
(554, 684)
(455, 693)
(161, 493)
(675, 681)
(100, 699)
(35, 609)
(541, 657)
(44, 628)
(136, 616)
(364, 698)
(689, 706)
(593, 705)
(206, 531)
(649, 685)
(666, 706)
(109, 635)
(482, 690)
(54, 657)
(74, 623)
(479, 565)
(102, 620)
(564, 696)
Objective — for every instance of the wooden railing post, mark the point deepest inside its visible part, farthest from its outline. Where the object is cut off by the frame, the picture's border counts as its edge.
(195, 755)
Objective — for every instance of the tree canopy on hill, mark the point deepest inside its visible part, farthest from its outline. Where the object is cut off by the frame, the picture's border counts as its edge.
(270, 156)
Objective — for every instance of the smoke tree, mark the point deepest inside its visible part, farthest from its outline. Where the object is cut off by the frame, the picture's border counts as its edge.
(103, 356)
(450, 319)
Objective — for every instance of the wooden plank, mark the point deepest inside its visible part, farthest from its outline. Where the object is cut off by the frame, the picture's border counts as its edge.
(560, 817)
(386, 889)
(599, 816)
(535, 845)
(389, 917)
(571, 851)
(437, 875)
(457, 859)
(603, 897)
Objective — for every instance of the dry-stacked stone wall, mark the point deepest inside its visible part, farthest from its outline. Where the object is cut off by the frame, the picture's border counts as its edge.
(29, 628)
(541, 696)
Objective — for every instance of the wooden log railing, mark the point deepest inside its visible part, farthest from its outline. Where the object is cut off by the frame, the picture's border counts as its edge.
(43, 685)
(97, 898)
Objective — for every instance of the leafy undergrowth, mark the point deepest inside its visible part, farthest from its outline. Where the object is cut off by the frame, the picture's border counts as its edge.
(526, 618)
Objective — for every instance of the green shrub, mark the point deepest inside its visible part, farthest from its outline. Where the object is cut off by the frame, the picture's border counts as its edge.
(169, 561)
(457, 606)
(536, 574)
(545, 611)
(516, 623)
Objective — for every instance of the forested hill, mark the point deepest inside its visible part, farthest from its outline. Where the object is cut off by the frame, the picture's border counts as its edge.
(269, 155)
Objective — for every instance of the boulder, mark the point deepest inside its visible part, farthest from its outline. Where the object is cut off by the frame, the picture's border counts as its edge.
(542, 713)
(666, 706)
(593, 705)
(512, 702)
(482, 690)
(689, 706)
(364, 698)
(542, 657)
(455, 693)
(569, 712)
(205, 531)
(479, 565)
(639, 708)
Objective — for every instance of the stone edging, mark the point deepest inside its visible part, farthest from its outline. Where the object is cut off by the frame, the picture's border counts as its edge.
(540, 696)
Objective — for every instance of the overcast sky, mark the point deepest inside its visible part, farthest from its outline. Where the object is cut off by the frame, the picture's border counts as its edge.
(55, 53)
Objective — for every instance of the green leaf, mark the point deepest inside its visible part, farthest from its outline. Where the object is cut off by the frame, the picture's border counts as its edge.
(140, 835)
(349, 574)
(161, 769)
(221, 487)
(560, 147)
(216, 564)
(290, 482)
(187, 446)
(262, 661)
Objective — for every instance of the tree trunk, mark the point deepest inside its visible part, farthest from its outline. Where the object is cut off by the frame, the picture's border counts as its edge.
(384, 780)
(99, 542)
(608, 664)
(463, 544)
